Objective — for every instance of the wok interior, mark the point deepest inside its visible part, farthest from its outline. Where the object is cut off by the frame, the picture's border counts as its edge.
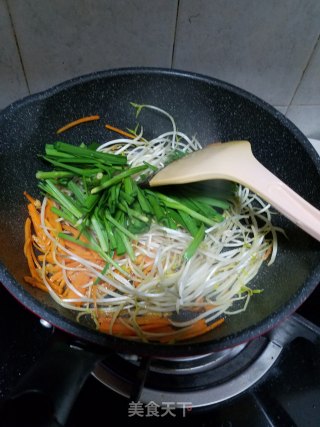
(211, 110)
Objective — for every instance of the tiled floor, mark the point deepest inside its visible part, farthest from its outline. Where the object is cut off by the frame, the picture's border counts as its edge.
(268, 48)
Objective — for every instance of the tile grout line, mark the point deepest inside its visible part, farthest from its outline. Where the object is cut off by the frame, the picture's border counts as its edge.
(304, 71)
(17, 45)
(175, 33)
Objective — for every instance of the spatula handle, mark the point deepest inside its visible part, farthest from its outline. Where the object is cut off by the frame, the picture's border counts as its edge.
(284, 199)
(234, 161)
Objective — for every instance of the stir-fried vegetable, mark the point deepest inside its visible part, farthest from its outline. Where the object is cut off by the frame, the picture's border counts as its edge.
(93, 188)
(153, 265)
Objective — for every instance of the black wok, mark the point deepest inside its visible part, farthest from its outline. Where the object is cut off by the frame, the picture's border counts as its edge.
(209, 108)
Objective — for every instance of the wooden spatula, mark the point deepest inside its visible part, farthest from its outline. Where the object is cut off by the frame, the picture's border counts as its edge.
(234, 161)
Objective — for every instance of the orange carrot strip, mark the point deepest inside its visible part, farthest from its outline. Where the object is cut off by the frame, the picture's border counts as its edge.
(267, 253)
(152, 319)
(215, 324)
(120, 131)
(82, 252)
(34, 258)
(94, 296)
(51, 217)
(36, 283)
(48, 258)
(27, 235)
(31, 265)
(158, 328)
(68, 293)
(28, 249)
(77, 122)
(50, 268)
(31, 199)
(147, 270)
(79, 279)
(30, 243)
(74, 232)
(57, 276)
(198, 328)
(118, 327)
(36, 222)
(125, 330)
(59, 289)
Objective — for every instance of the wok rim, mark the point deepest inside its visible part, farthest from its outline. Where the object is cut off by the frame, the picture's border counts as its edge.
(179, 349)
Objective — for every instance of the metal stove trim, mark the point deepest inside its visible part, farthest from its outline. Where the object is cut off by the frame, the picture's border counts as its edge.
(224, 391)
(294, 326)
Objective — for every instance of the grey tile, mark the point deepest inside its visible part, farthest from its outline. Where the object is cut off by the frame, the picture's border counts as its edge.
(316, 145)
(306, 118)
(12, 82)
(283, 109)
(261, 46)
(62, 39)
(308, 92)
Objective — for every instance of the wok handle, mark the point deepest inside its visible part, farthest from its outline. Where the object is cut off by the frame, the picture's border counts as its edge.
(46, 394)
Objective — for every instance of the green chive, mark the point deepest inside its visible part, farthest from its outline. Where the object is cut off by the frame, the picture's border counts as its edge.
(118, 178)
(112, 159)
(120, 227)
(193, 246)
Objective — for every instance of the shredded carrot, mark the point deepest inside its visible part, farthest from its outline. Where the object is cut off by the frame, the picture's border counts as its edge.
(120, 131)
(118, 327)
(74, 232)
(77, 122)
(152, 319)
(156, 324)
(36, 222)
(198, 328)
(124, 328)
(35, 283)
(32, 200)
(45, 262)
(48, 258)
(52, 218)
(267, 253)
(28, 249)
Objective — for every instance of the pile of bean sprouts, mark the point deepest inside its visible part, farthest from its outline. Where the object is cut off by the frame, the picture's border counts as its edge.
(212, 283)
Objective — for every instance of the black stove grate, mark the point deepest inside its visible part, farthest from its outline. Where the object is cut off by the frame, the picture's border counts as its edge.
(288, 395)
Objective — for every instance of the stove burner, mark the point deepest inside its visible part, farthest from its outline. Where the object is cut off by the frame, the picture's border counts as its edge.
(191, 364)
(204, 380)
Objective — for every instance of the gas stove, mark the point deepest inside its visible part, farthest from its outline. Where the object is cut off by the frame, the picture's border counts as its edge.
(269, 382)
